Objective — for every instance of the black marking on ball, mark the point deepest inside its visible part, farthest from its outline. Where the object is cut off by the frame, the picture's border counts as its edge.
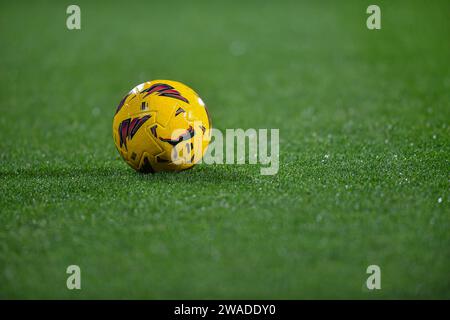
(153, 130)
(180, 110)
(146, 167)
(182, 137)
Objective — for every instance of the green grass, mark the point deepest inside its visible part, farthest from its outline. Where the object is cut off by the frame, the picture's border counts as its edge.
(364, 128)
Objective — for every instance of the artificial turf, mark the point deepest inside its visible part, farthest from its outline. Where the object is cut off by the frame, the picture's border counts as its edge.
(364, 162)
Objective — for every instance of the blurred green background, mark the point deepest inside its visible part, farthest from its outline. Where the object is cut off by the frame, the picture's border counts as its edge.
(364, 164)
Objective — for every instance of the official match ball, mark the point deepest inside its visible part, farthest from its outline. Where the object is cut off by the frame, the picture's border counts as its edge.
(161, 125)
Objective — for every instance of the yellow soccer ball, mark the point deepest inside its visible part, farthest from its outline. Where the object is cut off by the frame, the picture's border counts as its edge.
(161, 125)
